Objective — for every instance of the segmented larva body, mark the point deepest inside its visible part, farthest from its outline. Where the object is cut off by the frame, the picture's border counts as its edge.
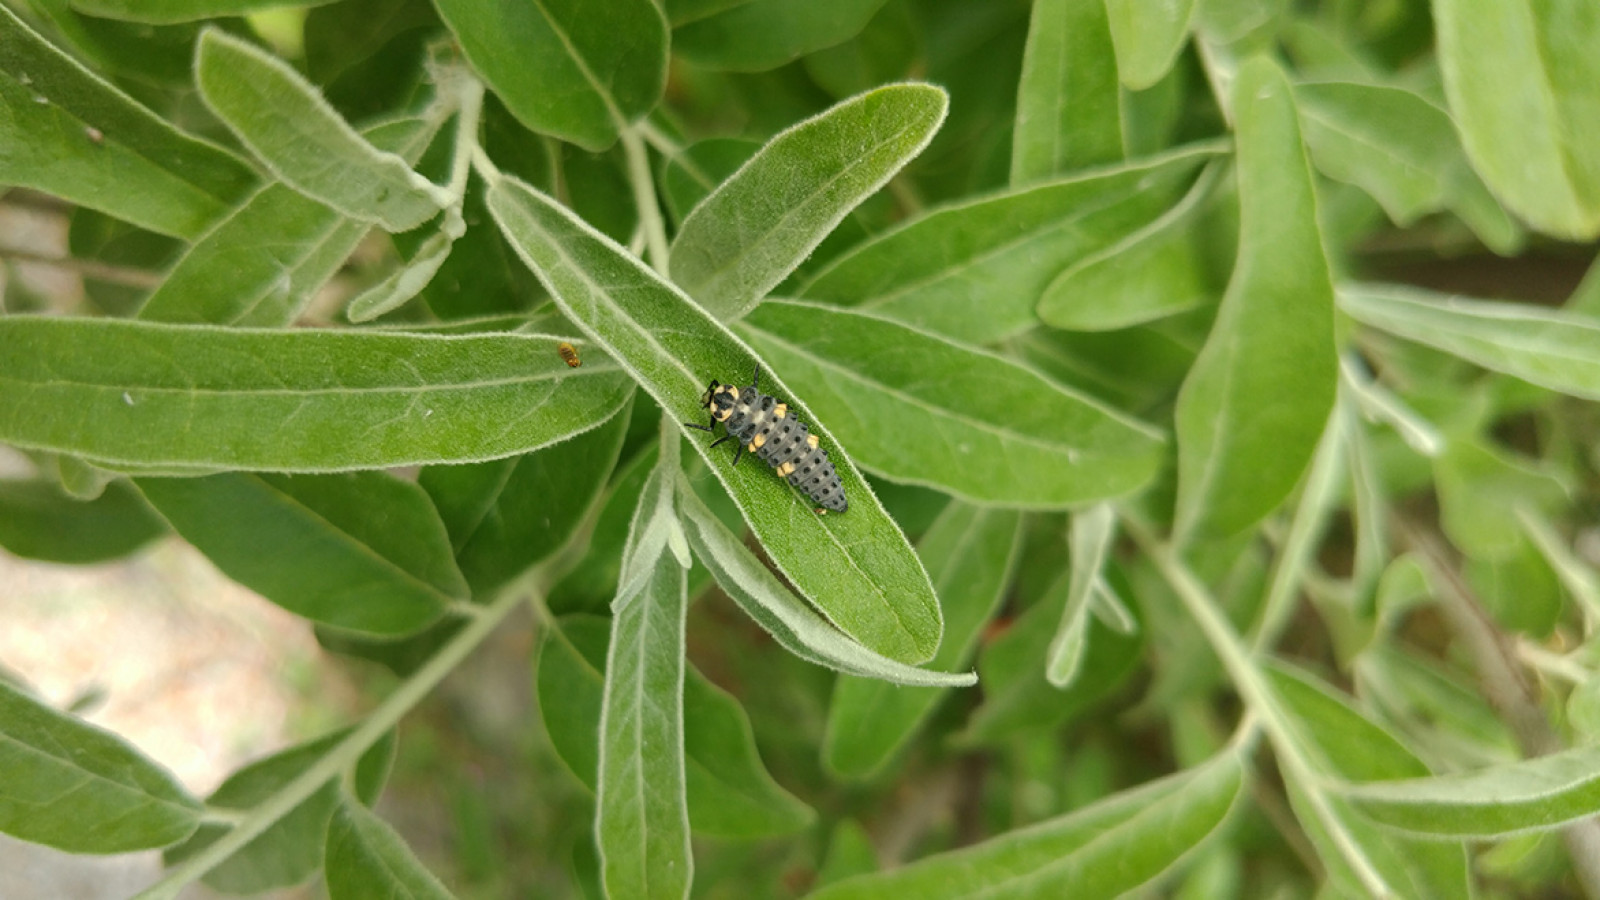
(569, 353)
(765, 427)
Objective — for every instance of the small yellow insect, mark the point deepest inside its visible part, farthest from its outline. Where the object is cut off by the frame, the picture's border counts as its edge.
(569, 353)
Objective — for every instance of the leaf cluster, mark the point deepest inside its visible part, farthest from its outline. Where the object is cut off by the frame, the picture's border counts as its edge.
(1271, 569)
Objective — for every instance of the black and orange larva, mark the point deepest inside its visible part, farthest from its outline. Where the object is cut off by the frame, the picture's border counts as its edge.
(764, 426)
(569, 353)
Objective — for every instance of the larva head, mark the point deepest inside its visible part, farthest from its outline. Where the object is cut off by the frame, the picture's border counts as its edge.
(720, 398)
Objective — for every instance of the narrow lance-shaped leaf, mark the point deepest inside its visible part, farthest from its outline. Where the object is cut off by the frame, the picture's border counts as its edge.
(642, 821)
(137, 394)
(1069, 113)
(1536, 90)
(1556, 349)
(303, 141)
(69, 133)
(1491, 803)
(1093, 530)
(975, 270)
(366, 858)
(756, 35)
(1147, 35)
(362, 551)
(574, 70)
(38, 520)
(1156, 271)
(262, 264)
(69, 785)
(876, 589)
(793, 623)
(730, 793)
(1403, 150)
(1254, 403)
(920, 408)
(1343, 743)
(1103, 850)
(403, 283)
(760, 223)
(970, 553)
(158, 12)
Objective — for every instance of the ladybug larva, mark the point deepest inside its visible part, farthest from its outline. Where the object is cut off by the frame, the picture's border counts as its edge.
(764, 426)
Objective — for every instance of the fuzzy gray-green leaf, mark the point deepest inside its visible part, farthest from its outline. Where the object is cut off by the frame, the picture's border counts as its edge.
(1254, 403)
(1556, 349)
(69, 133)
(1103, 850)
(1069, 113)
(876, 591)
(974, 270)
(286, 123)
(576, 70)
(752, 231)
(69, 785)
(920, 408)
(153, 396)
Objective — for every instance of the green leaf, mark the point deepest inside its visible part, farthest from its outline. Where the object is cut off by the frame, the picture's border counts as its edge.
(1556, 349)
(919, 408)
(691, 175)
(975, 270)
(1254, 404)
(40, 521)
(1102, 850)
(404, 283)
(1147, 35)
(730, 793)
(147, 395)
(850, 852)
(887, 49)
(1093, 531)
(304, 142)
(1400, 148)
(1480, 488)
(791, 621)
(574, 70)
(1348, 745)
(756, 35)
(66, 784)
(368, 860)
(878, 593)
(291, 849)
(362, 551)
(762, 222)
(1017, 695)
(1541, 85)
(167, 11)
(69, 133)
(1069, 114)
(507, 515)
(642, 821)
(1156, 271)
(263, 262)
(970, 554)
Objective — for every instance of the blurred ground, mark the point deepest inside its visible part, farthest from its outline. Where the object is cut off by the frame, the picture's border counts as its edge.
(199, 673)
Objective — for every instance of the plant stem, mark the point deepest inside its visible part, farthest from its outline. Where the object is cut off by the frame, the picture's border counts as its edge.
(644, 199)
(469, 92)
(1508, 692)
(346, 752)
(1292, 753)
(88, 268)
